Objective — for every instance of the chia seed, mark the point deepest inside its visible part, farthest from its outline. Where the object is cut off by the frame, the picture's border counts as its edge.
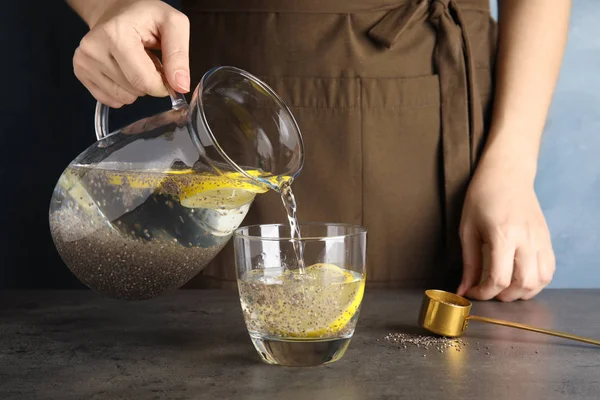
(128, 236)
(440, 343)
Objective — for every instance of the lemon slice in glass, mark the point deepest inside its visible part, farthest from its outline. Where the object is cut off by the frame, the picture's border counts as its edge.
(316, 304)
(341, 286)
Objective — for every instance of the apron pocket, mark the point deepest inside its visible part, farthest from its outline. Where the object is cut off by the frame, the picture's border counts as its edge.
(402, 206)
(329, 187)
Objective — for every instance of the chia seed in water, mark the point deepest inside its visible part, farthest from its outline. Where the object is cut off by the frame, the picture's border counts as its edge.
(135, 235)
(427, 342)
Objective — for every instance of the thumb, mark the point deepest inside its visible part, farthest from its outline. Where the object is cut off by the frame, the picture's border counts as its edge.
(175, 43)
(472, 261)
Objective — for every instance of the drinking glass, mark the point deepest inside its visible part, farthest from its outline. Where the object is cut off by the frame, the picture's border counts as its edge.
(301, 316)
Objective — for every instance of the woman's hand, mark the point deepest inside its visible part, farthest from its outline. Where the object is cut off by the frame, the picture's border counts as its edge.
(111, 60)
(501, 211)
(502, 214)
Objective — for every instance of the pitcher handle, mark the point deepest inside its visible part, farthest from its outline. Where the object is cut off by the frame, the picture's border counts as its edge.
(101, 115)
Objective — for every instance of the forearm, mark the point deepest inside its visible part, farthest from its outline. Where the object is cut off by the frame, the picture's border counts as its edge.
(90, 10)
(531, 40)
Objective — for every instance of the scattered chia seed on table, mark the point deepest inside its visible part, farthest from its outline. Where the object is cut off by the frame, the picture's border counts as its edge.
(437, 342)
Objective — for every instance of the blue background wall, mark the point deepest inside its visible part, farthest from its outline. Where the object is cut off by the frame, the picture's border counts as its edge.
(568, 182)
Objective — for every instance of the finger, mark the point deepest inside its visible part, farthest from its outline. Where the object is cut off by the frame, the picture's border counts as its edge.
(94, 58)
(89, 69)
(546, 267)
(174, 38)
(472, 260)
(99, 94)
(138, 68)
(502, 255)
(110, 87)
(525, 275)
(111, 69)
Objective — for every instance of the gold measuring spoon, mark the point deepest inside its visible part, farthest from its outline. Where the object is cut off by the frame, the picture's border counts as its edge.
(447, 314)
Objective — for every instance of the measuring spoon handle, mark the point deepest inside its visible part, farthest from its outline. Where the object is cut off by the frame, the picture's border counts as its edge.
(534, 329)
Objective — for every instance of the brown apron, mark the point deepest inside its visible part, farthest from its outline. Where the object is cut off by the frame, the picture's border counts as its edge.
(393, 99)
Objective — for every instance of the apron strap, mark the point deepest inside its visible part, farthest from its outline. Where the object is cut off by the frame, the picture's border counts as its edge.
(461, 113)
(395, 22)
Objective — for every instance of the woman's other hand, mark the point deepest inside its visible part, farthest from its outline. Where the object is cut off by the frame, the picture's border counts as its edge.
(502, 215)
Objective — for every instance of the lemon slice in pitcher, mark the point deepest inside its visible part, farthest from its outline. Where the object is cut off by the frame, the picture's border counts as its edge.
(219, 192)
(224, 199)
(228, 190)
(76, 191)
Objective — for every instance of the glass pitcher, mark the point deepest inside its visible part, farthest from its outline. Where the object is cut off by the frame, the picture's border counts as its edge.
(147, 207)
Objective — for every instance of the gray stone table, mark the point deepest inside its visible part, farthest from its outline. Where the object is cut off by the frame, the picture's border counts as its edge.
(193, 345)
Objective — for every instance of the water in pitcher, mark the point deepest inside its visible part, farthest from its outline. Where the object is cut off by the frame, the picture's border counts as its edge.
(134, 235)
